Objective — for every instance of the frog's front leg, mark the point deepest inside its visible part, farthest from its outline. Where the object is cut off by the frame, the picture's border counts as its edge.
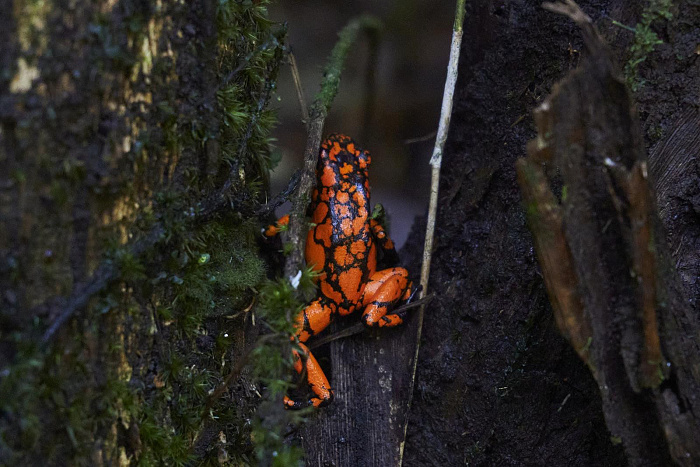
(313, 319)
(386, 245)
(275, 229)
(384, 289)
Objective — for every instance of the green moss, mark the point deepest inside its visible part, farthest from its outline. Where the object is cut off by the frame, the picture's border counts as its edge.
(346, 39)
(645, 39)
(246, 124)
(161, 445)
(213, 282)
(50, 391)
(131, 268)
(280, 303)
(382, 216)
(132, 372)
(656, 133)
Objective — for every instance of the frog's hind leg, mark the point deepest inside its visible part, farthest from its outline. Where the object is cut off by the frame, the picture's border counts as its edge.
(316, 378)
(314, 319)
(384, 289)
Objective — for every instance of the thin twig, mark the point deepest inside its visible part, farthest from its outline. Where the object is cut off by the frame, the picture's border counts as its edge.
(420, 139)
(233, 374)
(267, 208)
(435, 163)
(297, 222)
(356, 328)
(300, 90)
(359, 327)
(100, 279)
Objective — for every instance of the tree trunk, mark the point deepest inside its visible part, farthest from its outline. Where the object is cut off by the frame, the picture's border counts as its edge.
(523, 397)
(621, 306)
(128, 132)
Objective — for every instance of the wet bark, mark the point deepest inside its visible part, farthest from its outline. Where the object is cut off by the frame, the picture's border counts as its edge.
(496, 382)
(629, 319)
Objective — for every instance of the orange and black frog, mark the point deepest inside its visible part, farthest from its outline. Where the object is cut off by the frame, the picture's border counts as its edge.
(342, 248)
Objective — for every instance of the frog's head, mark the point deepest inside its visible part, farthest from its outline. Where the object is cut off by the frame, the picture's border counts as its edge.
(348, 161)
(342, 151)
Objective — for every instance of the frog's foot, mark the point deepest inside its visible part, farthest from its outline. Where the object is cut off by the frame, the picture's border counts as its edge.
(293, 404)
(389, 255)
(275, 229)
(317, 381)
(384, 289)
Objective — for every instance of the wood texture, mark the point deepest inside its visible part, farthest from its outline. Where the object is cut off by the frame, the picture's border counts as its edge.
(644, 344)
(370, 375)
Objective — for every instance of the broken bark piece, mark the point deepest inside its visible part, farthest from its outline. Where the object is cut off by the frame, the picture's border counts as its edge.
(545, 220)
(646, 366)
(603, 245)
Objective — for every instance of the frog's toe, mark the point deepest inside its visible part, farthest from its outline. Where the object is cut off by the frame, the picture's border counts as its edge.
(317, 402)
(294, 404)
(322, 402)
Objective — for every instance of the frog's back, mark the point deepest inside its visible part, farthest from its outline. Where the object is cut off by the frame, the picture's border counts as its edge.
(340, 246)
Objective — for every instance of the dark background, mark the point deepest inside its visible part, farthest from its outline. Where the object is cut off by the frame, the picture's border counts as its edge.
(410, 74)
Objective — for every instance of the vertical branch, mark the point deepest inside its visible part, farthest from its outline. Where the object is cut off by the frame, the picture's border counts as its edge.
(435, 164)
(300, 90)
(329, 88)
(436, 159)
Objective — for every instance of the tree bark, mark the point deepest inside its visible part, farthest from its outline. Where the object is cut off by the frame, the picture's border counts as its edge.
(630, 322)
(494, 385)
(120, 123)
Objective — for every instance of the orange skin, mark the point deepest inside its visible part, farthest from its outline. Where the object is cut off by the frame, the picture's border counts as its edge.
(342, 248)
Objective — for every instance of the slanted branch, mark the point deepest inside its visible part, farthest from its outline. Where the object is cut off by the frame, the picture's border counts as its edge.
(605, 261)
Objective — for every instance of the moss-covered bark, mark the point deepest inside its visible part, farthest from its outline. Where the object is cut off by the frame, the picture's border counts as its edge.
(118, 121)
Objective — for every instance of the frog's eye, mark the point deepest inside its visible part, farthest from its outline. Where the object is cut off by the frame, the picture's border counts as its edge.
(364, 159)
